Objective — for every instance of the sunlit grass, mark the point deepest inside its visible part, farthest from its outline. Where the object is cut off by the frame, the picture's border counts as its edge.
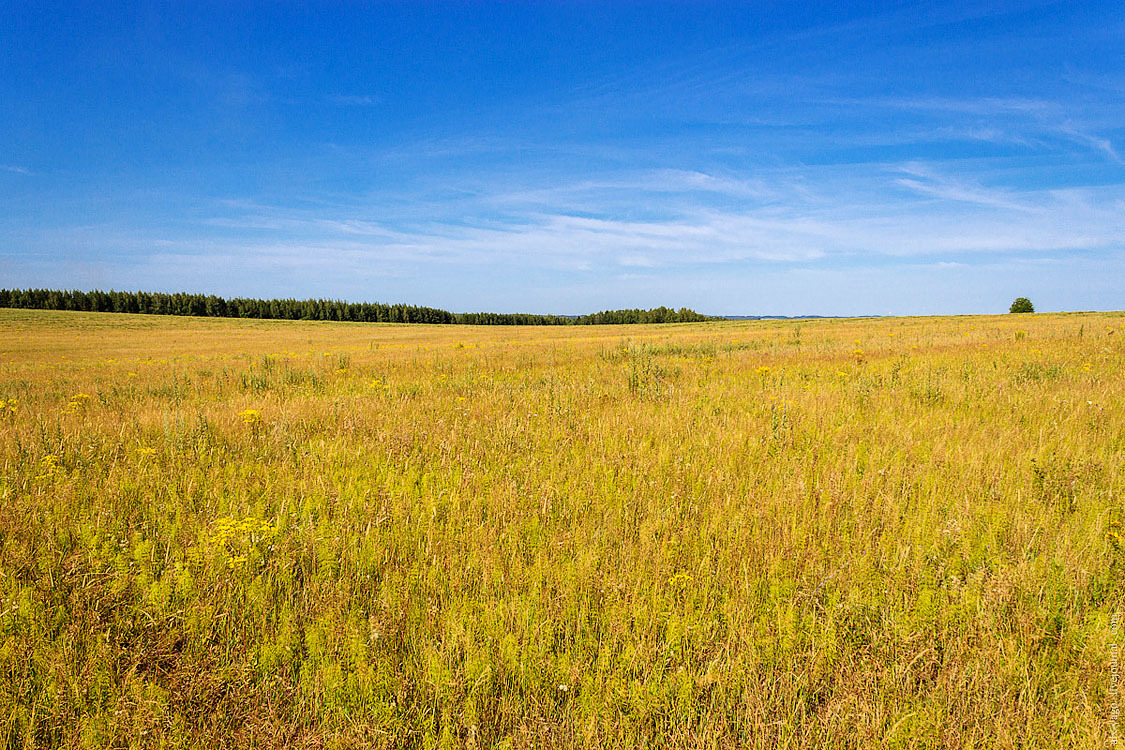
(763, 534)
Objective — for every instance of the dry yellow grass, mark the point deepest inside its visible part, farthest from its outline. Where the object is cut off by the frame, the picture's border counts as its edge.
(767, 534)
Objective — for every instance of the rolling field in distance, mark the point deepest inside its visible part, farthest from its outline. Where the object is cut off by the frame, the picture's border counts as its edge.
(902, 532)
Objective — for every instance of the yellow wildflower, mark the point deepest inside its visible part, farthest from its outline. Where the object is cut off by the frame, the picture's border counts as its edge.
(49, 465)
(77, 402)
(250, 416)
(679, 579)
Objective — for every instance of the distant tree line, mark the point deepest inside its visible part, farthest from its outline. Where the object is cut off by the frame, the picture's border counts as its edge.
(655, 315)
(209, 305)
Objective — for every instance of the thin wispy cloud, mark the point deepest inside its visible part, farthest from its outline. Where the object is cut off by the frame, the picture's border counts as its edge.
(353, 100)
(927, 182)
(841, 220)
(1019, 120)
(1098, 143)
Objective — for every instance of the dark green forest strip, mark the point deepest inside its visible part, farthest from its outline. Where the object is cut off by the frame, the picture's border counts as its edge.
(211, 306)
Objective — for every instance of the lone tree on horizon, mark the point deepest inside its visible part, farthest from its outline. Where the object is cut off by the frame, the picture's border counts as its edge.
(1022, 305)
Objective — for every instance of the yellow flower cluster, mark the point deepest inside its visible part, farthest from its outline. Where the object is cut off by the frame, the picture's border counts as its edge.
(251, 416)
(680, 580)
(76, 403)
(240, 538)
(7, 408)
(49, 465)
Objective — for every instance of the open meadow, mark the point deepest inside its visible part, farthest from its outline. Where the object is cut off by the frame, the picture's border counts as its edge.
(777, 534)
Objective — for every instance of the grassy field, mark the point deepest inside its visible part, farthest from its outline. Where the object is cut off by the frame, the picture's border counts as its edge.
(225, 533)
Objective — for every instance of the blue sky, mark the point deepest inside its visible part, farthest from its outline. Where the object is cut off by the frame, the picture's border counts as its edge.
(736, 158)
